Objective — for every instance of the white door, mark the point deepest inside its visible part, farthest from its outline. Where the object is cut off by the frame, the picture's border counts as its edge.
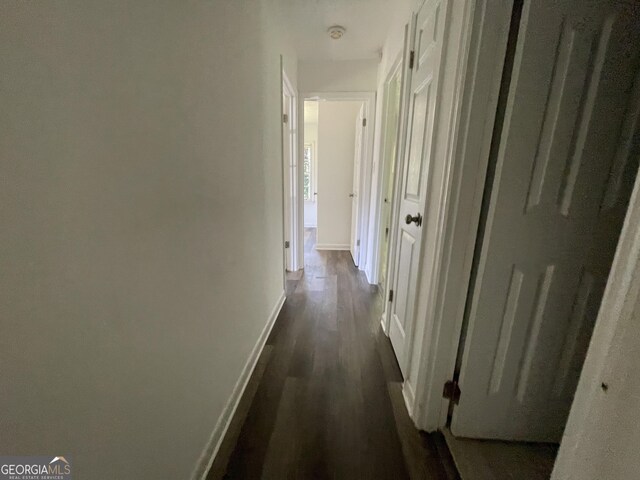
(288, 181)
(422, 117)
(391, 124)
(355, 191)
(563, 172)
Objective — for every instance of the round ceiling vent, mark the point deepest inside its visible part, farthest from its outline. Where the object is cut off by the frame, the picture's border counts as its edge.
(336, 32)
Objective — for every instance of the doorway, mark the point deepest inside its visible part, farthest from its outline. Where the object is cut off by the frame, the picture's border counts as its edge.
(425, 95)
(562, 167)
(335, 174)
(290, 176)
(388, 166)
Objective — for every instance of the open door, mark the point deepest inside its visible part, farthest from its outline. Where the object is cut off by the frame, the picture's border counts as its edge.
(355, 191)
(290, 176)
(391, 123)
(413, 192)
(287, 183)
(568, 148)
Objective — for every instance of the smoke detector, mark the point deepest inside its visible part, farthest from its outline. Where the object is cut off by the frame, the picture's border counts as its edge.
(336, 32)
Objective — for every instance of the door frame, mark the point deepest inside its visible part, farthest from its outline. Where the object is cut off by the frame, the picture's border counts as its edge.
(489, 29)
(369, 100)
(380, 175)
(409, 33)
(359, 144)
(474, 58)
(290, 177)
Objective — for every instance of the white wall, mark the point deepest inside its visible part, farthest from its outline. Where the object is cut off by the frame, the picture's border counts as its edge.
(133, 136)
(395, 37)
(311, 136)
(336, 150)
(337, 76)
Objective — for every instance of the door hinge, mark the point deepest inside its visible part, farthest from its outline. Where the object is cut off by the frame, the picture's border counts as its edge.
(391, 295)
(452, 391)
(286, 244)
(357, 243)
(285, 118)
(412, 57)
(364, 122)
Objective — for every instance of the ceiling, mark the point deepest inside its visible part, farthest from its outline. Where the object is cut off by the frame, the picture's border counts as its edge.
(367, 23)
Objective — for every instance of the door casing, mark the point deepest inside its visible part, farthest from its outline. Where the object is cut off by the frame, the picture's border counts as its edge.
(384, 171)
(485, 29)
(355, 191)
(474, 58)
(369, 100)
(483, 54)
(423, 136)
(409, 33)
(291, 205)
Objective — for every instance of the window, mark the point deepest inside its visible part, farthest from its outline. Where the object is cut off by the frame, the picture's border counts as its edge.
(307, 165)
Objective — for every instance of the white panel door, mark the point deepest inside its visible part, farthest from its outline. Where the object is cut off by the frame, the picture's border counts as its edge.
(391, 123)
(354, 247)
(567, 156)
(288, 179)
(422, 117)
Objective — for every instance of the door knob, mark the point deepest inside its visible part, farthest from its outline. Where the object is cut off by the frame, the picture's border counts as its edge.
(417, 219)
(351, 195)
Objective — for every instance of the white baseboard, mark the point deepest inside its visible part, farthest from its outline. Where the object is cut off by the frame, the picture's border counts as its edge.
(219, 431)
(332, 246)
(383, 322)
(409, 398)
(369, 275)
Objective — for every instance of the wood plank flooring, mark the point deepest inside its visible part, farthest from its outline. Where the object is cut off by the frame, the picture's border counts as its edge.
(325, 400)
(496, 460)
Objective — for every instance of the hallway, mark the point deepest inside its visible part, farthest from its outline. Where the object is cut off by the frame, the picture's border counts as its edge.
(320, 239)
(325, 400)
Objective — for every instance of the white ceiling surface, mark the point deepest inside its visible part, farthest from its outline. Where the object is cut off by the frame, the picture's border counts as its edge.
(366, 21)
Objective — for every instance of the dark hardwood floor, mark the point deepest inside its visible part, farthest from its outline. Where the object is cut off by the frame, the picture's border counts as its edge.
(325, 399)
